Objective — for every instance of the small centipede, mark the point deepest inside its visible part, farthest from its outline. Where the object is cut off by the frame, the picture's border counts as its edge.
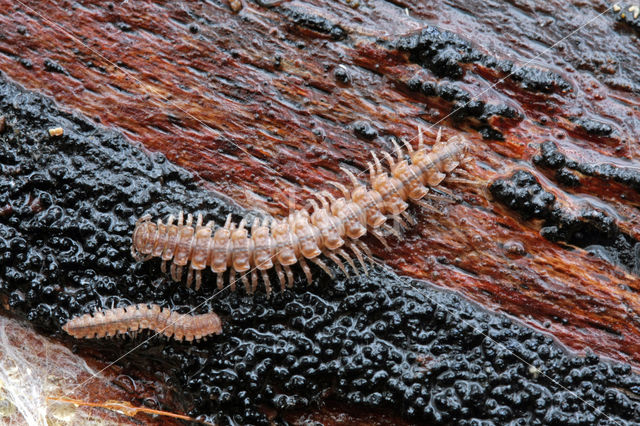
(333, 226)
(112, 322)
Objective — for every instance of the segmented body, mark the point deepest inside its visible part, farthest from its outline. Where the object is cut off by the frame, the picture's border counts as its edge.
(116, 321)
(332, 229)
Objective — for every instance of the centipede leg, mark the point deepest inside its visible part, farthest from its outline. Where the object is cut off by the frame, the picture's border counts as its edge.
(254, 281)
(400, 222)
(163, 266)
(323, 266)
(427, 206)
(198, 279)
(366, 251)
(389, 159)
(267, 283)
(220, 280)
(306, 270)
(287, 270)
(380, 238)
(342, 188)
(189, 277)
(358, 254)
(408, 218)
(463, 181)
(280, 276)
(173, 272)
(389, 229)
(232, 279)
(338, 262)
(399, 152)
(446, 192)
(245, 281)
(346, 257)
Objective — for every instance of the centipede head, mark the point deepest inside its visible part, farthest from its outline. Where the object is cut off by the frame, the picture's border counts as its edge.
(139, 239)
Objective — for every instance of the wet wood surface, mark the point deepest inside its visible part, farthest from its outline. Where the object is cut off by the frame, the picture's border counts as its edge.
(267, 102)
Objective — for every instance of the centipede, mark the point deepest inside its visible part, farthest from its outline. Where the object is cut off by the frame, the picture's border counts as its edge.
(331, 227)
(131, 319)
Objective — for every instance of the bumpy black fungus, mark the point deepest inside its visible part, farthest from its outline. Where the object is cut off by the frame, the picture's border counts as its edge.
(439, 51)
(463, 106)
(551, 157)
(315, 23)
(590, 229)
(593, 127)
(364, 130)
(53, 66)
(442, 52)
(380, 341)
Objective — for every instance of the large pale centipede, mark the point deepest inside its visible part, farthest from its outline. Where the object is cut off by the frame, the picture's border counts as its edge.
(333, 225)
(116, 321)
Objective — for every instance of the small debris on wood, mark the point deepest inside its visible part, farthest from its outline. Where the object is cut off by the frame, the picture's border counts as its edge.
(56, 131)
(235, 5)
